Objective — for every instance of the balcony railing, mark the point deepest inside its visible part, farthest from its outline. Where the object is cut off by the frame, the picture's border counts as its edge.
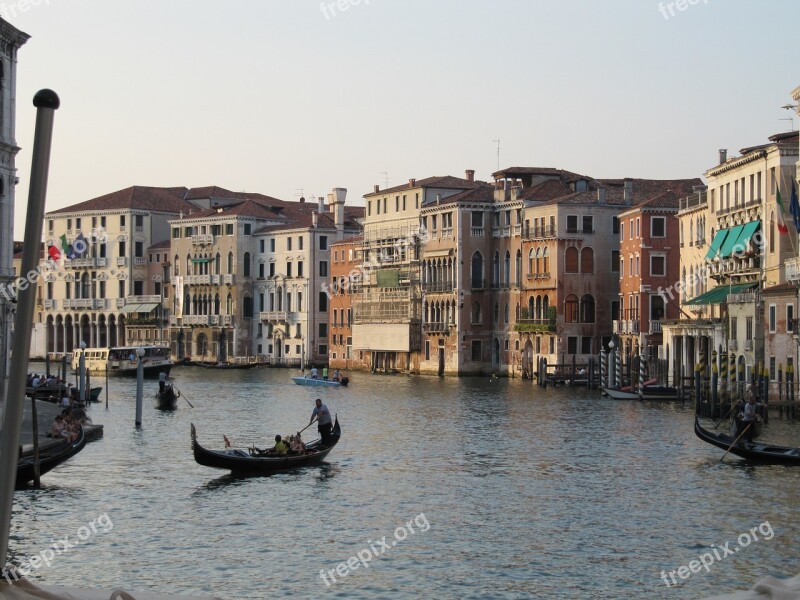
(792, 270)
(655, 326)
(535, 325)
(196, 320)
(139, 261)
(51, 304)
(447, 232)
(143, 299)
(744, 298)
(77, 263)
(478, 283)
(539, 232)
(544, 275)
(228, 279)
(476, 231)
(274, 315)
(732, 345)
(204, 239)
(226, 320)
(438, 286)
(438, 328)
(215, 279)
(748, 345)
(122, 261)
(198, 279)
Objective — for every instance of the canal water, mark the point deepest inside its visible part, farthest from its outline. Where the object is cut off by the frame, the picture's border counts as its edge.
(463, 488)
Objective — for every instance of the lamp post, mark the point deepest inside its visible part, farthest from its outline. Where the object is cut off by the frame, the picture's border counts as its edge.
(611, 366)
(139, 385)
(82, 382)
(303, 353)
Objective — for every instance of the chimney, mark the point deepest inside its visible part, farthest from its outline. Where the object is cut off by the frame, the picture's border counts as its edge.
(337, 206)
(601, 195)
(723, 155)
(412, 182)
(321, 204)
(314, 219)
(627, 191)
(470, 175)
(377, 189)
(302, 199)
(438, 199)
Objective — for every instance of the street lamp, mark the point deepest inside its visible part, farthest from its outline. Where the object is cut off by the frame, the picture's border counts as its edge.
(82, 387)
(139, 385)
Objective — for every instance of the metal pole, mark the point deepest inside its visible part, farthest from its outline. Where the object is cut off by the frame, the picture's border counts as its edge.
(139, 389)
(106, 385)
(642, 361)
(46, 102)
(603, 366)
(82, 386)
(714, 382)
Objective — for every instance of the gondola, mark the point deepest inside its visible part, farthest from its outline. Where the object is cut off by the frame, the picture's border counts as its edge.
(650, 392)
(755, 451)
(310, 381)
(167, 399)
(230, 366)
(49, 459)
(242, 460)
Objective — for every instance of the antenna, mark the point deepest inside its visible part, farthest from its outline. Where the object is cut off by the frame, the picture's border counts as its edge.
(385, 179)
(498, 153)
(300, 194)
(791, 122)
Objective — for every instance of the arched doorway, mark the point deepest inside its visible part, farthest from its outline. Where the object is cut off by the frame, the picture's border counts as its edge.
(102, 333)
(85, 333)
(112, 331)
(222, 354)
(202, 344)
(70, 331)
(496, 355)
(527, 360)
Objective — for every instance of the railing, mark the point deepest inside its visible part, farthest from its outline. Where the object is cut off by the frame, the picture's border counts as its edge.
(213, 319)
(196, 320)
(198, 279)
(274, 315)
(51, 304)
(99, 303)
(476, 231)
(792, 270)
(692, 201)
(447, 232)
(443, 328)
(215, 279)
(80, 262)
(226, 320)
(438, 286)
(535, 325)
(174, 320)
(79, 303)
(139, 228)
(478, 284)
(539, 232)
(748, 345)
(202, 239)
(544, 275)
(655, 326)
(732, 345)
(744, 298)
(143, 299)
(122, 261)
(138, 261)
(228, 279)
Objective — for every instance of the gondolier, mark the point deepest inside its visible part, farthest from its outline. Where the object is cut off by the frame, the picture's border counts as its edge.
(324, 424)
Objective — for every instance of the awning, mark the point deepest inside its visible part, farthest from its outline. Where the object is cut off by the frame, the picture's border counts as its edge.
(748, 230)
(131, 308)
(716, 244)
(140, 308)
(720, 293)
(730, 241)
(200, 260)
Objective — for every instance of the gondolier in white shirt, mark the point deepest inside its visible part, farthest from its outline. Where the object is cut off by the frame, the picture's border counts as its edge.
(324, 425)
(749, 418)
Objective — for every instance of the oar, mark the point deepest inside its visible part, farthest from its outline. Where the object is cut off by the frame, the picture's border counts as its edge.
(306, 427)
(184, 397)
(723, 418)
(734, 441)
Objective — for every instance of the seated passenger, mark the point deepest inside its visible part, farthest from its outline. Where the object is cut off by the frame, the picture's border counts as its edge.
(296, 444)
(280, 448)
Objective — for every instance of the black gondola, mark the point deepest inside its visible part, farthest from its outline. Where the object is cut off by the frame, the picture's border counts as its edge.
(243, 461)
(167, 399)
(49, 459)
(230, 366)
(755, 451)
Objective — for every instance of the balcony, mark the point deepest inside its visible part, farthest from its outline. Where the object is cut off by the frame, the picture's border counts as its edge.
(535, 325)
(793, 270)
(655, 326)
(436, 328)
(545, 275)
(748, 345)
(79, 303)
(215, 279)
(531, 233)
(173, 321)
(198, 279)
(213, 319)
(226, 320)
(732, 345)
(438, 286)
(743, 298)
(196, 320)
(99, 303)
(476, 231)
(447, 232)
(139, 261)
(274, 315)
(120, 302)
(77, 263)
(152, 299)
(205, 239)
(228, 279)
(51, 304)
(122, 261)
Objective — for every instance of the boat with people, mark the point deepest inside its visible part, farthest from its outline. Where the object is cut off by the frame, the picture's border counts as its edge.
(310, 381)
(754, 451)
(167, 399)
(49, 458)
(123, 360)
(224, 366)
(651, 390)
(251, 461)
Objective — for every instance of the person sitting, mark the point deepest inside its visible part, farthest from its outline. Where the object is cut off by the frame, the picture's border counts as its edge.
(36, 381)
(280, 448)
(296, 444)
(57, 429)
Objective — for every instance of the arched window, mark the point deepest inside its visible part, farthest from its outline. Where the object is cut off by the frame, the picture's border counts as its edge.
(538, 260)
(496, 270)
(546, 261)
(571, 260)
(176, 265)
(518, 270)
(187, 304)
(188, 264)
(229, 305)
(531, 259)
(247, 307)
(230, 263)
(587, 309)
(216, 303)
(247, 264)
(587, 260)
(217, 264)
(571, 309)
(476, 312)
(477, 270)
(496, 313)
(772, 231)
(507, 269)
(279, 295)
(538, 313)
(691, 232)
(545, 307)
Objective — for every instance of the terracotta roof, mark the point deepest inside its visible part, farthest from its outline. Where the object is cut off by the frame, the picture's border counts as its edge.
(483, 193)
(781, 288)
(668, 200)
(353, 239)
(156, 199)
(546, 171)
(163, 244)
(547, 190)
(643, 190)
(245, 208)
(444, 182)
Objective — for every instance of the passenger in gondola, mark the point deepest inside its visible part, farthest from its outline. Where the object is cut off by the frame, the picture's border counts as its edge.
(325, 373)
(280, 448)
(296, 444)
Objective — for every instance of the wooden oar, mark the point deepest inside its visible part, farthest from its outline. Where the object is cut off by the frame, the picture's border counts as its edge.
(306, 427)
(184, 397)
(723, 418)
(736, 440)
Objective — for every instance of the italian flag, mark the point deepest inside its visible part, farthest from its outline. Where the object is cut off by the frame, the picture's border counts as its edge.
(782, 226)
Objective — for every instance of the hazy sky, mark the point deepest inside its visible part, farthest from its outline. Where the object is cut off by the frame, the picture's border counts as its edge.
(273, 96)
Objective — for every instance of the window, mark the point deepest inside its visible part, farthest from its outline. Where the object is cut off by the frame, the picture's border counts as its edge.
(615, 261)
(139, 249)
(300, 267)
(571, 309)
(397, 204)
(772, 370)
(571, 260)
(622, 231)
(572, 344)
(587, 260)
(615, 310)
(369, 208)
(572, 223)
(773, 313)
(289, 244)
(138, 287)
(476, 350)
(323, 330)
(638, 230)
(247, 307)
(587, 309)
(748, 328)
(272, 269)
(789, 318)
(300, 243)
(288, 268)
(734, 328)
(615, 225)
(138, 221)
(586, 345)
(477, 219)
(228, 228)
(427, 345)
(323, 268)
(121, 248)
(323, 302)
(299, 302)
(588, 224)
(176, 233)
(476, 312)
(658, 227)
(78, 223)
(323, 242)
(658, 266)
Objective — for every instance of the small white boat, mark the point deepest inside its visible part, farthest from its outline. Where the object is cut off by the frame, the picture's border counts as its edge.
(320, 382)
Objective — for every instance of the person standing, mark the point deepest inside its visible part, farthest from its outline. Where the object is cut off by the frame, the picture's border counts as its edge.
(162, 381)
(324, 425)
(314, 372)
(749, 418)
(325, 373)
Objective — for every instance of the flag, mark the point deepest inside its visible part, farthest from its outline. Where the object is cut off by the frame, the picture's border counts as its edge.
(53, 252)
(794, 208)
(81, 246)
(65, 246)
(782, 226)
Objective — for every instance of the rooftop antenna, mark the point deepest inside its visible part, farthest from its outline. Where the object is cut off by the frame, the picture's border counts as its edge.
(791, 122)
(498, 153)
(385, 179)
(298, 192)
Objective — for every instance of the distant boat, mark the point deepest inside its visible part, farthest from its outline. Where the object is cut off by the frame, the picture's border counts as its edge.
(230, 366)
(249, 461)
(651, 391)
(755, 451)
(168, 399)
(320, 382)
(49, 459)
(123, 360)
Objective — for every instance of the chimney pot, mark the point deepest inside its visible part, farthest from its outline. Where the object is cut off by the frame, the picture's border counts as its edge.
(412, 182)
(438, 199)
(470, 175)
(320, 204)
(601, 195)
(627, 191)
(723, 155)
(377, 189)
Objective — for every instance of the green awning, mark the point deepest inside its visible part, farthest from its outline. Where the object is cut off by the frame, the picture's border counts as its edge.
(200, 260)
(748, 230)
(730, 241)
(140, 308)
(720, 293)
(716, 244)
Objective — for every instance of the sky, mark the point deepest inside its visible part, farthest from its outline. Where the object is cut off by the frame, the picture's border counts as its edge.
(284, 97)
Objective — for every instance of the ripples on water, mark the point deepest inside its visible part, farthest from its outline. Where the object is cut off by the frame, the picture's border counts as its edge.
(529, 493)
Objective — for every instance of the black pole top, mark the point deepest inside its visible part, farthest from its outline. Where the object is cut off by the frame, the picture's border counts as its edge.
(46, 99)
